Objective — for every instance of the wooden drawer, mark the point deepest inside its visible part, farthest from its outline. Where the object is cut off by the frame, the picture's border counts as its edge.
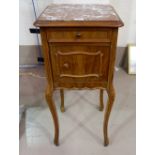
(77, 64)
(78, 35)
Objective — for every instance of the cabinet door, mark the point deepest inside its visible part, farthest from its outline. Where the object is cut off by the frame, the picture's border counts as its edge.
(80, 65)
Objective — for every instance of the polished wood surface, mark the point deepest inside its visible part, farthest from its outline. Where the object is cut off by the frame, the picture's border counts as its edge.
(62, 107)
(101, 107)
(73, 65)
(79, 51)
(48, 95)
(78, 35)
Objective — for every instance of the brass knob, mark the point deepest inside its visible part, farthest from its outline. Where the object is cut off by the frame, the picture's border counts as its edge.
(66, 65)
(78, 35)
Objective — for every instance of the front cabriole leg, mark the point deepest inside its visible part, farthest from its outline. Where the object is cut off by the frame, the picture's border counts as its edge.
(49, 99)
(111, 98)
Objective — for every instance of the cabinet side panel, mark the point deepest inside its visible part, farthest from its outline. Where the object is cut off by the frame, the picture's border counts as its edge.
(46, 53)
(112, 57)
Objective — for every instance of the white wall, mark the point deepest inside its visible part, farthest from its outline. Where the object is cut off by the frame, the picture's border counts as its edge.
(126, 10)
(26, 18)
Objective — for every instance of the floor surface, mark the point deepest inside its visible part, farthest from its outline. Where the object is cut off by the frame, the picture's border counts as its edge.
(81, 126)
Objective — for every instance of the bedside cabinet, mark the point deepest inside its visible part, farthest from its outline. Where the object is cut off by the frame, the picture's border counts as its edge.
(79, 46)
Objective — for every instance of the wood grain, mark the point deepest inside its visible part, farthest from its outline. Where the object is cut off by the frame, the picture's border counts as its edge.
(48, 96)
(79, 34)
(62, 107)
(80, 60)
(101, 107)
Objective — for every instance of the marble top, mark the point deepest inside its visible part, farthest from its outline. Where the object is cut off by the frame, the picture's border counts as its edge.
(79, 12)
(79, 15)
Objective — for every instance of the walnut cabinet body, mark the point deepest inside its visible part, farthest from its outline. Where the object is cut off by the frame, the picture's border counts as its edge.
(79, 53)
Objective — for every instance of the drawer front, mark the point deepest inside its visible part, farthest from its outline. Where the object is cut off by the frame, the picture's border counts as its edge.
(78, 35)
(79, 64)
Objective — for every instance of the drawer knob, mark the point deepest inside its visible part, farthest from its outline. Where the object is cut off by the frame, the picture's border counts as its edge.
(66, 65)
(78, 35)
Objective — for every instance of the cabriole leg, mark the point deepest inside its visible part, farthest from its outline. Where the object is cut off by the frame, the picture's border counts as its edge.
(62, 107)
(101, 107)
(49, 99)
(111, 97)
